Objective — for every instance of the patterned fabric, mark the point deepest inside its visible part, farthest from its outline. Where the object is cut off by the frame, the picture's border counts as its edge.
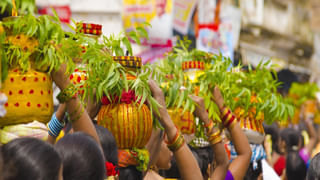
(258, 153)
(33, 129)
(135, 157)
(199, 142)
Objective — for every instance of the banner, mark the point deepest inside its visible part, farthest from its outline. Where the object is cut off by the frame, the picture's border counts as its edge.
(156, 12)
(182, 13)
(64, 12)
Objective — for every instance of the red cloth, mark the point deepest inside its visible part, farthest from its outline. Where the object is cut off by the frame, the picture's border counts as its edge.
(280, 165)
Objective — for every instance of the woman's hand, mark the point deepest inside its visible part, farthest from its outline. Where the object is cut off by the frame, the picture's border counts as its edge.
(200, 110)
(218, 98)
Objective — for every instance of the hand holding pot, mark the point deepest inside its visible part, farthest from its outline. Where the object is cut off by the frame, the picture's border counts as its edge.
(218, 97)
(163, 113)
(200, 110)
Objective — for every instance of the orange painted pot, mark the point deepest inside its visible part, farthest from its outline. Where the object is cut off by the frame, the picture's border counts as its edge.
(29, 97)
(185, 122)
(130, 125)
(251, 124)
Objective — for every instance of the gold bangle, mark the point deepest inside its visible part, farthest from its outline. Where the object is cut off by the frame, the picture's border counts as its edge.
(209, 127)
(215, 138)
(177, 144)
(67, 94)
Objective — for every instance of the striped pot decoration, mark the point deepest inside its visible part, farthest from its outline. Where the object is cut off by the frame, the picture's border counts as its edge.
(185, 122)
(29, 97)
(250, 122)
(130, 125)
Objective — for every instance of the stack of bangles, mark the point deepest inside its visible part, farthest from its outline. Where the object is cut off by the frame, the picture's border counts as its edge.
(176, 143)
(55, 126)
(228, 119)
(213, 138)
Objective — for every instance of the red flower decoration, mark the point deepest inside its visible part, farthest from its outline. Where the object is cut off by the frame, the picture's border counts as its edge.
(126, 97)
(111, 169)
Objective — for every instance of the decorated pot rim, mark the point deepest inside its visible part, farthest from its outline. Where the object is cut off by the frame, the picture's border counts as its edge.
(193, 65)
(129, 61)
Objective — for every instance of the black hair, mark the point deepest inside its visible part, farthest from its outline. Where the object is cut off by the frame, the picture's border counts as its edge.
(296, 168)
(173, 172)
(273, 130)
(130, 173)
(30, 158)
(291, 137)
(204, 157)
(313, 170)
(253, 174)
(81, 156)
(109, 144)
(286, 77)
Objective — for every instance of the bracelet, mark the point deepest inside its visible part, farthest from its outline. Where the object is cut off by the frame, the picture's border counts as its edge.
(177, 143)
(228, 119)
(67, 94)
(215, 138)
(209, 127)
(54, 126)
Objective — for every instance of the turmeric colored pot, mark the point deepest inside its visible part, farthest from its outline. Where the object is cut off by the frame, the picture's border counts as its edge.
(251, 124)
(185, 122)
(130, 125)
(29, 97)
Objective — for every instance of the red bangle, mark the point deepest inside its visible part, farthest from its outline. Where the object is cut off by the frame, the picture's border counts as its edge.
(174, 139)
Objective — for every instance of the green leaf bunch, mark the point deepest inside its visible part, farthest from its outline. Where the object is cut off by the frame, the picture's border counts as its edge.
(302, 92)
(54, 48)
(23, 6)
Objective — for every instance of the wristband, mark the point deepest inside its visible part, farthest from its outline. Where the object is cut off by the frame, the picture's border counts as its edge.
(228, 119)
(177, 142)
(209, 127)
(215, 138)
(54, 126)
(67, 94)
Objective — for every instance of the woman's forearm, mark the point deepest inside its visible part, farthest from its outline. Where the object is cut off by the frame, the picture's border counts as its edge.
(221, 159)
(80, 119)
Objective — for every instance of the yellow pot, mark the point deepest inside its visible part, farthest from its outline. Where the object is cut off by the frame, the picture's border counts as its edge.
(29, 97)
(185, 122)
(130, 125)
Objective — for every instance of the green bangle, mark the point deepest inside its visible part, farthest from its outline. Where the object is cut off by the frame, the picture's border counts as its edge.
(67, 94)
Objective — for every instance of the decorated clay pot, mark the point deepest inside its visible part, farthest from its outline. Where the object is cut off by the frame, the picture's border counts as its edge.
(185, 122)
(130, 125)
(29, 97)
(192, 70)
(251, 124)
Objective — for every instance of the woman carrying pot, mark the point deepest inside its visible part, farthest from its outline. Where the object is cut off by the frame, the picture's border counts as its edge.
(238, 167)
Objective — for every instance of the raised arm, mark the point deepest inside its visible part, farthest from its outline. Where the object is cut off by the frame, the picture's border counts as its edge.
(220, 155)
(240, 164)
(78, 115)
(313, 139)
(187, 164)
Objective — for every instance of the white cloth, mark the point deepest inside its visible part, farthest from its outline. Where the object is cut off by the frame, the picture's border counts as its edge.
(3, 100)
(267, 171)
(161, 28)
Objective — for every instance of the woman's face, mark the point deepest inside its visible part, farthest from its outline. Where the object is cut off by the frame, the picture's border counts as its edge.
(165, 156)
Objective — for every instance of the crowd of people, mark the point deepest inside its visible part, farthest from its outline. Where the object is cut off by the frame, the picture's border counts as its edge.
(79, 149)
(89, 151)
